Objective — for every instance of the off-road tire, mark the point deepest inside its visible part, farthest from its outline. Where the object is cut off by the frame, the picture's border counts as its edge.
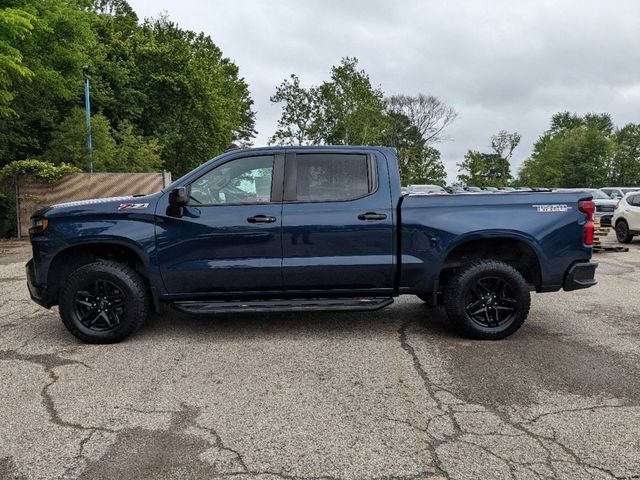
(133, 290)
(460, 287)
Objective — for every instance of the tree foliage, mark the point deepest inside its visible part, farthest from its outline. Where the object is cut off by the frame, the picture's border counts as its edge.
(490, 169)
(348, 109)
(44, 172)
(428, 114)
(15, 25)
(581, 151)
(162, 90)
(114, 150)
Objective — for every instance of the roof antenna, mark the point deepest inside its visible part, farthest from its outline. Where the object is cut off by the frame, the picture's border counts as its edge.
(232, 147)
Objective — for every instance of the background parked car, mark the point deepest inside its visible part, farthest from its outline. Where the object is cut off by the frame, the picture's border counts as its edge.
(626, 218)
(605, 206)
(618, 192)
(473, 189)
(523, 189)
(507, 189)
(426, 189)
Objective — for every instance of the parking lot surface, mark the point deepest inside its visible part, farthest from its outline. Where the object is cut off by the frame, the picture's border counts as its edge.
(390, 394)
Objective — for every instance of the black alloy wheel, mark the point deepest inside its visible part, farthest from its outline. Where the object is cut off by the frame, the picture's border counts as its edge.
(622, 232)
(490, 302)
(99, 305)
(104, 302)
(487, 299)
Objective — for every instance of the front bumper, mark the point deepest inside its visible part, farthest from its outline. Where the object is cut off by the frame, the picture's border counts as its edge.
(39, 293)
(580, 275)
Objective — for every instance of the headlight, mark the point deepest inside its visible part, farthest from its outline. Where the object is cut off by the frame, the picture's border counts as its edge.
(40, 224)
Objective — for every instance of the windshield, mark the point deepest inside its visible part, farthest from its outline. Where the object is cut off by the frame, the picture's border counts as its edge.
(601, 195)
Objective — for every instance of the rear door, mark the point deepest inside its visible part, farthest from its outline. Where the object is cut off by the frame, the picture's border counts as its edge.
(337, 222)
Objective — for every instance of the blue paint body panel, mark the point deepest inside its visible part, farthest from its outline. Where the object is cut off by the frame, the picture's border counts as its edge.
(319, 248)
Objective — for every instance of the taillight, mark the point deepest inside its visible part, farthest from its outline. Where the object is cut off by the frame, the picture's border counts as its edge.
(588, 207)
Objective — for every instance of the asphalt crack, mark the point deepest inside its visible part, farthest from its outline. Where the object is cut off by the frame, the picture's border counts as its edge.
(435, 391)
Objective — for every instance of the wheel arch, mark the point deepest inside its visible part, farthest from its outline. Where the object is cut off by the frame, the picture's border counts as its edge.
(74, 256)
(516, 251)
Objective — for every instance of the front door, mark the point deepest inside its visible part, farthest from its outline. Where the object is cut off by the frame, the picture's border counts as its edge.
(337, 223)
(229, 235)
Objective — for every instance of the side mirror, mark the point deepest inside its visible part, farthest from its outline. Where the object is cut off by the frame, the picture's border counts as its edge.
(178, 198)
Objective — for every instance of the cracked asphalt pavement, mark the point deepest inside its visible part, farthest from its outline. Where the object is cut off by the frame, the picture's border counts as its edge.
(394, 394)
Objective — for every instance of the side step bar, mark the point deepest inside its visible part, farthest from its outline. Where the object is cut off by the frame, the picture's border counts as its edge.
(283, 305)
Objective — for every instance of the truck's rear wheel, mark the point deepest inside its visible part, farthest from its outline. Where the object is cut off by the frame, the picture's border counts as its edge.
(487, 300)
(104, 302)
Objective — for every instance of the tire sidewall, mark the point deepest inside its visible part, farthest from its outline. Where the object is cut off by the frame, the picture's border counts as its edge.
(133, 305)
(469, 278)
(619, 235)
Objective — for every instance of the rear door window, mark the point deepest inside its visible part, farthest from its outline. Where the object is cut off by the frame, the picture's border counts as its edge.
(333, 177)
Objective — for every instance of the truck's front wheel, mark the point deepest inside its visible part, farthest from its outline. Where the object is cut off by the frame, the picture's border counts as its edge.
(487, 300)
(104, 302)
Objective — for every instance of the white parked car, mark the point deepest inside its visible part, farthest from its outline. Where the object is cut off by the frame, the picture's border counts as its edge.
(626, 218)
(618, 192)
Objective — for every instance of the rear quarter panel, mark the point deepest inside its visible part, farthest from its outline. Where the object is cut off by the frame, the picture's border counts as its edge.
(432, 226)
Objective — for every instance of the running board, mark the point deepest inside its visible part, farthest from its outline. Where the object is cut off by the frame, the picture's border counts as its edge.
(283, 305)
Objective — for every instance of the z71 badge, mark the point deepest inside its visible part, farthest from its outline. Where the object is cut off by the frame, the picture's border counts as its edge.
(133, 206)
(557, 207)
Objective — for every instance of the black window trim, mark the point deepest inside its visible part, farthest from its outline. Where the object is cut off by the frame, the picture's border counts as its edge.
(277, 181)
(291, 171)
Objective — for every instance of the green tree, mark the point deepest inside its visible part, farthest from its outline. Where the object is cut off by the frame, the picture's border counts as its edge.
(120, 150)
(576, 151)
(299, 122)
(134, 153)
(427, 168)
(345, 109)
(196, 103)
(173, 86)
(59, 45)
(15, 25)
(68, 142)
(624, 168)
(483, 170)
(417, 122)
(353, 111)
(490, 169)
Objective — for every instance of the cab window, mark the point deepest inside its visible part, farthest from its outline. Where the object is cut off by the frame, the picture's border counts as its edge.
(332, 177)
(244, 180)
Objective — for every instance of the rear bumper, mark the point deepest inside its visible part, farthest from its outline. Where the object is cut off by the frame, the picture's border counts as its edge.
(580, 275)
(605, 218)
(39, 293)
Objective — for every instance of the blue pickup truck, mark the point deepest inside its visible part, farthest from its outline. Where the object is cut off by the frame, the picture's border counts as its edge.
(306, 228)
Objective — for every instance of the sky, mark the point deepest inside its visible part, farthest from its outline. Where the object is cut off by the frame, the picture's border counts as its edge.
(502, 64)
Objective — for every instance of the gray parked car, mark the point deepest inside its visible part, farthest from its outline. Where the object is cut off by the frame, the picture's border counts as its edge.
(605, 205)
(426, 189)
